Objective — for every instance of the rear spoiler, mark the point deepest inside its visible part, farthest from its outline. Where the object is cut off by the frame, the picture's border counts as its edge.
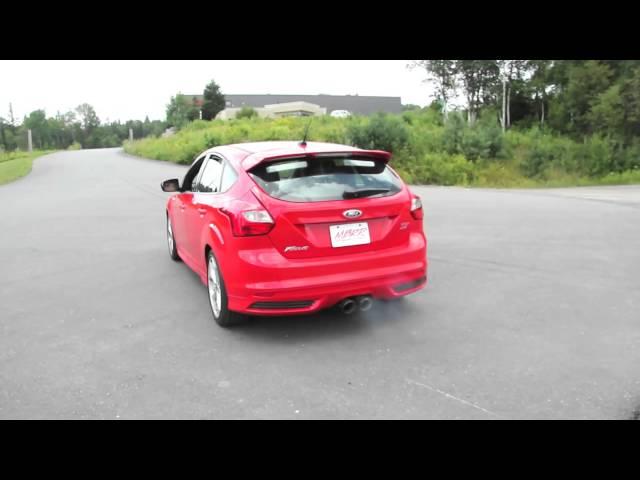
(256, 159)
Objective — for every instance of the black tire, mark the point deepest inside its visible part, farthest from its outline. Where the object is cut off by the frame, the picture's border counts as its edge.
(222, 315)
(171, 242)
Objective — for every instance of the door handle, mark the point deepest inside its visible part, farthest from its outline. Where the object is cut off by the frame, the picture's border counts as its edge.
(182, 207)
(202, 211)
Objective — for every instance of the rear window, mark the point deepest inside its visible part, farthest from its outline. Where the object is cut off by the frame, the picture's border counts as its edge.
(321, 179)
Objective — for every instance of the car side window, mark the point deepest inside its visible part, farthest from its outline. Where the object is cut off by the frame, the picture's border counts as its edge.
(209, 181)
(189, 182)
(229, 177)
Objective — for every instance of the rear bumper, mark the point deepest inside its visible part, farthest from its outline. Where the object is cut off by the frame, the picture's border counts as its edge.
(315, 284)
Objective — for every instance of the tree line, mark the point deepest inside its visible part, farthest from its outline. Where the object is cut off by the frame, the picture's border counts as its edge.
(82, 128)
(571, 97)
(79, 128)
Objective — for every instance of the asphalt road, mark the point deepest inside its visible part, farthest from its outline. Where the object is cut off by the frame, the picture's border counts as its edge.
(532, 311)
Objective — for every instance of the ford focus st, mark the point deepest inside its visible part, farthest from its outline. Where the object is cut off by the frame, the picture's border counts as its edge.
(285, 228)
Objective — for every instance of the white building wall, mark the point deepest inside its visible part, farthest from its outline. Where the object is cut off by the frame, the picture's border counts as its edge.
(277, 110)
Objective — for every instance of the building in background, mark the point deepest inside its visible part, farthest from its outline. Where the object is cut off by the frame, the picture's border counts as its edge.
(288, 109)
(279, 105)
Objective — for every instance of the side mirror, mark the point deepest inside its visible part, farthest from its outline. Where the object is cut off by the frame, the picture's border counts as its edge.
(172, 185)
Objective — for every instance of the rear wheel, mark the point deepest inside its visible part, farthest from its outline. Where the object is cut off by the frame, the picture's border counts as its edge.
(171, 241)
(218, 295)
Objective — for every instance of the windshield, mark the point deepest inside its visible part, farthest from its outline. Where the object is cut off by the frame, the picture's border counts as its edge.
(322, 179)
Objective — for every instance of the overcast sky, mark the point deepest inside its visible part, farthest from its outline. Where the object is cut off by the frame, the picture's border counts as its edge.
(133, 89)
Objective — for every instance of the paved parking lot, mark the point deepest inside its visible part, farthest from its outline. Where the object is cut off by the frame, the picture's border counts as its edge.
(532, 311)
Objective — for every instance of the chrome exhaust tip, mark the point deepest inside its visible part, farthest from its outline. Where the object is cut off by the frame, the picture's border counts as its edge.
(348, 306)
(365, 303)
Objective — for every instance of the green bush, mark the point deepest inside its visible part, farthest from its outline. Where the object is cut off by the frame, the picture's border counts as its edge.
(472, 145)
(536, 158)
(484, 139)
(453, 133)
(74, 146)
(211, 140)
(495, 174)
(247, 112)
(421, 117)
(436, 168)
(628, 158)
(381, 132)
(197, 125)
(594, 157)
(547, 152)
(547, 155)
(447, 170)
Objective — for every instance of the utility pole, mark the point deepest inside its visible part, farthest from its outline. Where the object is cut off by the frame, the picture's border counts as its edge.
(30, 141)
(131, 134)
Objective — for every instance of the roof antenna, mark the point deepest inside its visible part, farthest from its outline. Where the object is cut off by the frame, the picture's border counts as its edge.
(303, 143)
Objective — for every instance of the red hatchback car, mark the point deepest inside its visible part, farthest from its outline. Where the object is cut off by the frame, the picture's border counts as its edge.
(284, 228)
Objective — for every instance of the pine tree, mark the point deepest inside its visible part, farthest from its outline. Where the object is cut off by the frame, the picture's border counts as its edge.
(214, 101)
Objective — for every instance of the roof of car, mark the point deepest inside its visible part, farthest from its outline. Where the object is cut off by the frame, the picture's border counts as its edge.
(252, 153)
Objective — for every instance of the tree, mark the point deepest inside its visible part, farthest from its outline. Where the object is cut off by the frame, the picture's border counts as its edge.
(3, 135)
(579, 85)
(540, 83)
(630, 93)
(480, 80)
(180, 111)
(616, 111)
(586, 85)
(9, 131)
(80, 126)
(443, 74)
(607, 115)
(214, 101)
(512, 74)
(88, 117)
(37, 123)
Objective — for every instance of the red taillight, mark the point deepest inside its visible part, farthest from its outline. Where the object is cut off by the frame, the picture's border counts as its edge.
(250, 222)
(416, 208)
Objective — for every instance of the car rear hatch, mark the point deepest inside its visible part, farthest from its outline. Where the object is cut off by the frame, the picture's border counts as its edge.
(333, 204)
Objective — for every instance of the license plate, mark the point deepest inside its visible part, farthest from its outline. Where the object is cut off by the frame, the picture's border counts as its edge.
(349, 234)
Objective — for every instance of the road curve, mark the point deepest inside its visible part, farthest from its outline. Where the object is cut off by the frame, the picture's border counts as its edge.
(532, 311)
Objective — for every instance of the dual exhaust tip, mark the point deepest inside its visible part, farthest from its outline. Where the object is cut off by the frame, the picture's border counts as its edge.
(351, 304)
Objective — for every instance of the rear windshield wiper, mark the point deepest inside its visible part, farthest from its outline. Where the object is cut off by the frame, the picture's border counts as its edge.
(365, 192)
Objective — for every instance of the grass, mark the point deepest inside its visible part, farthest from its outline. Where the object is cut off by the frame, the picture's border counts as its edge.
(630, 177)
(501, 175)
(14, 165)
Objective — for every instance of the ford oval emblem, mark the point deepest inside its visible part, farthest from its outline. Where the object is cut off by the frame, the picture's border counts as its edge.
(352, 213)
